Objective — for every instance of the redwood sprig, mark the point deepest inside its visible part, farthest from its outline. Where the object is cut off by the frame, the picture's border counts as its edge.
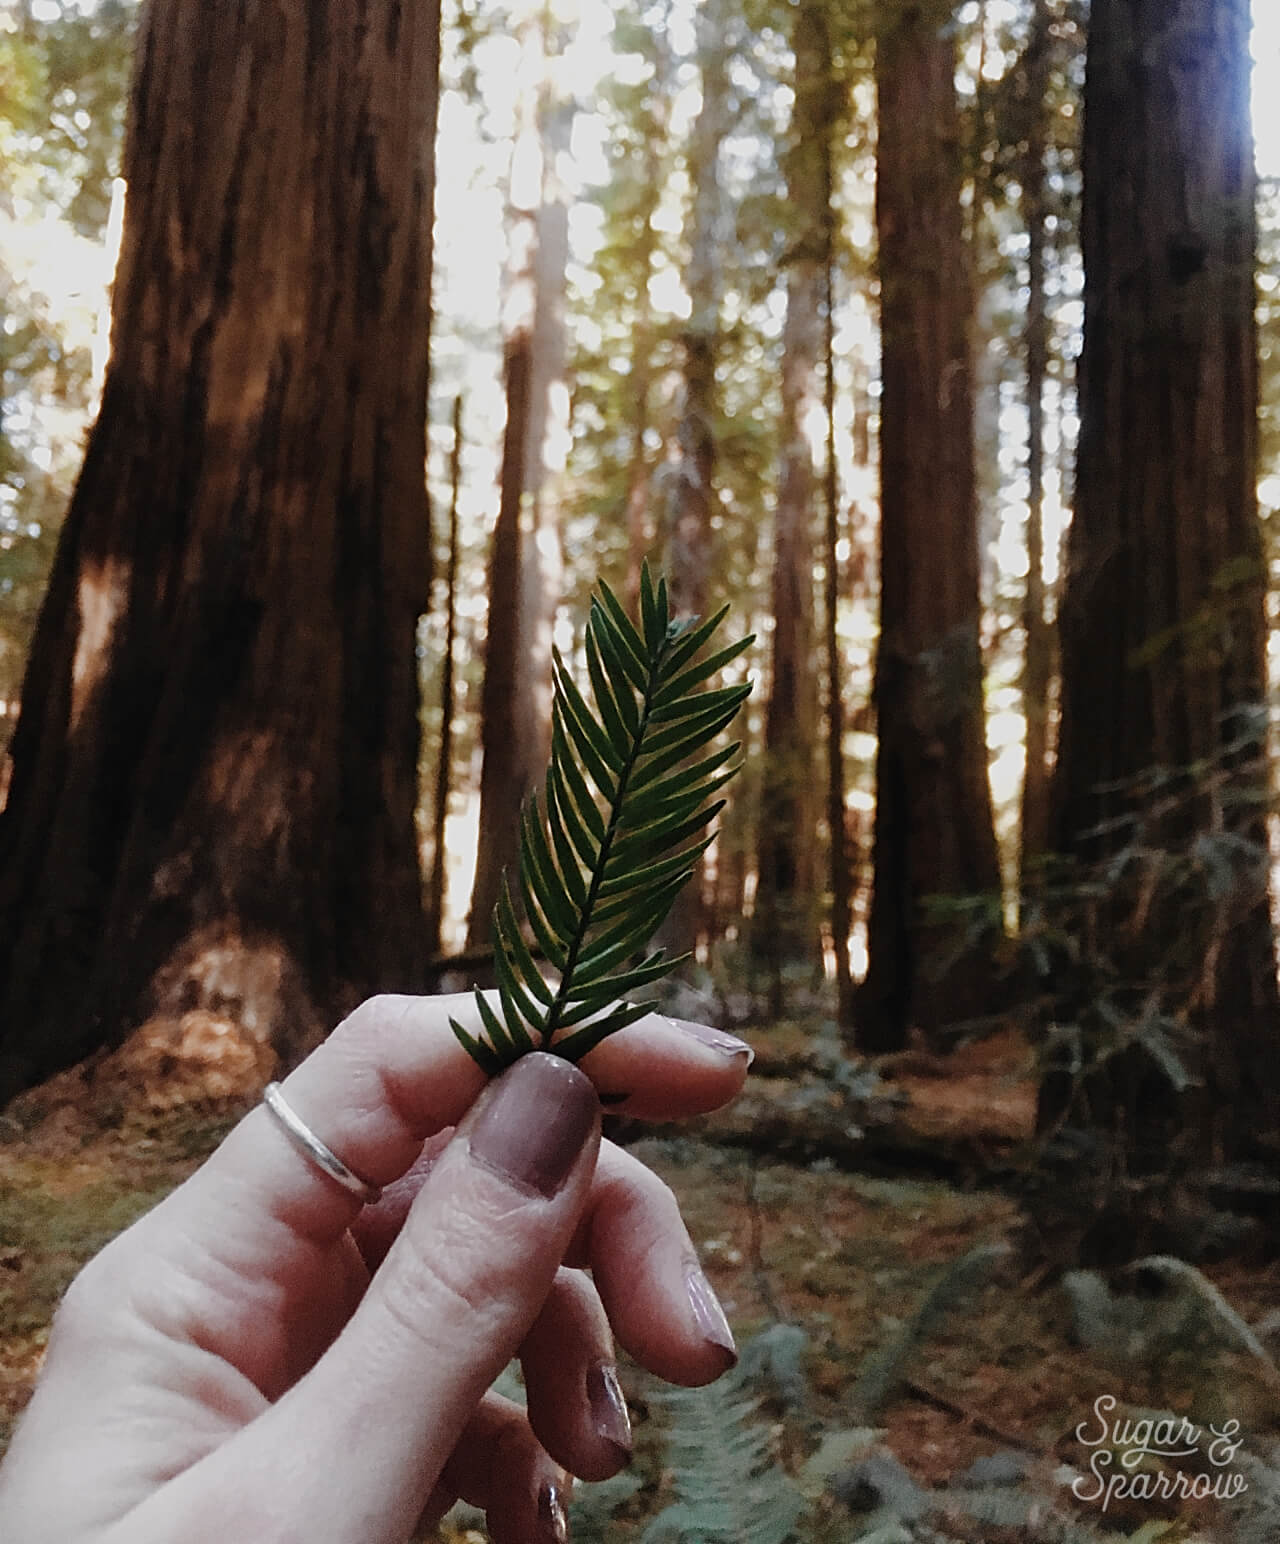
(616, 833)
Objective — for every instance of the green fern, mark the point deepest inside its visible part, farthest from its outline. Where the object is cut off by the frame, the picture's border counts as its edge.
(884, 1368)
(617, 833)
(593, 1508)
(729, 1486)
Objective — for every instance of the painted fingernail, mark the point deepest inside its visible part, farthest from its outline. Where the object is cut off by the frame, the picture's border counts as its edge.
(553, 1520)
(708, 1314)
(533, 1122)
(609, 1410)
(715, 1039)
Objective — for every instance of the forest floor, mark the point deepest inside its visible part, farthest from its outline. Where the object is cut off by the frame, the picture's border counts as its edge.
(903, 1409)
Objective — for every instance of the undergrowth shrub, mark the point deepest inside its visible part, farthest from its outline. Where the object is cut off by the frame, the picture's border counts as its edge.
(1138, 973)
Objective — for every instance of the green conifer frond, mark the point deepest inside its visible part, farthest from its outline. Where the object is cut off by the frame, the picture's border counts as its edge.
(618, 830)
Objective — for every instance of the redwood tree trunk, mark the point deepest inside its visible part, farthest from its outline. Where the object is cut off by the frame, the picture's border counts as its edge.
(503, 775)
(214, 776)
(548, 434)
(785, 922)
(689, 533)
(1037, 632)
(444, 754)
(525, 563)
(640, 532)
(934, 833)
(639, 472)
(1163, 631)
(839, 865)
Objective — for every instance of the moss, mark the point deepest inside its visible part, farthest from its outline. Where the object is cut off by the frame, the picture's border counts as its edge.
(45, 1238)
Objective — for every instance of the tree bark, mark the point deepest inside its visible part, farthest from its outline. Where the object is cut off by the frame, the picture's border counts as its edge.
(689, 512)
(1037, 671)
(934, 833)
(689, 520)
(548, 431)
(444, 756)
(214, 776)
(786, 912)
(639, 471)
(640, 525)
(503, 774)
(1162, 622)
(840, 868)
(526, 543)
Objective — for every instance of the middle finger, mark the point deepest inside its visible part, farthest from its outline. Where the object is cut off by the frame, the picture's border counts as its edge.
(634, 1241)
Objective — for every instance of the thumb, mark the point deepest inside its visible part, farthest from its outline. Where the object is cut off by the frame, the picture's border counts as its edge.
(447, 1309)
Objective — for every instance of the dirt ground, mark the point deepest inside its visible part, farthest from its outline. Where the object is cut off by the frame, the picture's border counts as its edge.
(843, 1254)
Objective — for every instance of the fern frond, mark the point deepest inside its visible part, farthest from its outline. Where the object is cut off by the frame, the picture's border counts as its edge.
(883, 1368)
(729, 1486)
(617, 831)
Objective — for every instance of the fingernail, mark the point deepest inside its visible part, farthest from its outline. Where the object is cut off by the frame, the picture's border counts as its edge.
(553, 1520)
(533, 1122)
(708, 1314)
(609, 1409)
(716, 1039)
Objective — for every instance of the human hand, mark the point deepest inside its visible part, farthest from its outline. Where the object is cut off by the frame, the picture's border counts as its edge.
(262, 1358)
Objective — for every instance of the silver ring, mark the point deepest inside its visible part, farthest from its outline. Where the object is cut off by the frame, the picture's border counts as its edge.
(313, 1149)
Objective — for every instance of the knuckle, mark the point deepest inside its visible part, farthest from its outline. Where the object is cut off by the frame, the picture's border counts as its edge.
(573, 1317)
(370, 1017)
(575, 1289)
(431, 1287)
(83, 1304)
(637, 1224)
(638, 1191)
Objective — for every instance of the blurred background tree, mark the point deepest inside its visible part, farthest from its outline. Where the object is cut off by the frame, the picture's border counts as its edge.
(934, 828)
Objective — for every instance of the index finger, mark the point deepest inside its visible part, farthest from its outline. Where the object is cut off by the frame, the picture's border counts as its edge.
(390, 1076)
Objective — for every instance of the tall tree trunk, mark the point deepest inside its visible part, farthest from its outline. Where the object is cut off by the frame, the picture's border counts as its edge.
(840, 867)
(526, 542)
(1037, 671)
(981, 135)
(934, 833)
(215, 771)
(639, 471)
(548, 431)
(1162, 624)
(785, 921)
(689, 533)
(444, 757)
(693, 491)
(640, 531)
(503, 771)
(988, 298)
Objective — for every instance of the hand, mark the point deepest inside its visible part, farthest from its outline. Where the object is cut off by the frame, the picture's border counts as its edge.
(262, 1359)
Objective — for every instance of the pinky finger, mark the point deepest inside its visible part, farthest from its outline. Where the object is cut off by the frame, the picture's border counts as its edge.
(502, 1468)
